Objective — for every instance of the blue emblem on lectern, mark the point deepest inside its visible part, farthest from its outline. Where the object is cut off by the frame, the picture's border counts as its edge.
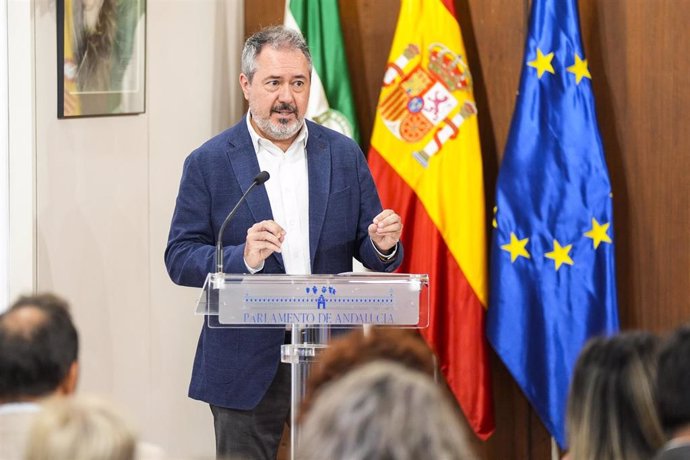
(321, 300)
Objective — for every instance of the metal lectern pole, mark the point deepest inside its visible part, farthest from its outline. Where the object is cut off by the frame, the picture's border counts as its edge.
(301, 353)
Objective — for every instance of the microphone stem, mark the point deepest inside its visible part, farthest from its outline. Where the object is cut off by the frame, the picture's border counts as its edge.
(219, 241)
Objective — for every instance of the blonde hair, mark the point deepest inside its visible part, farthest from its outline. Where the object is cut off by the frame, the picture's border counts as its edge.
(611, 409)
(80, 428)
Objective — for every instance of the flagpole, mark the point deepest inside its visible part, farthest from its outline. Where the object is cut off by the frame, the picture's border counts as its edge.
(555, 455)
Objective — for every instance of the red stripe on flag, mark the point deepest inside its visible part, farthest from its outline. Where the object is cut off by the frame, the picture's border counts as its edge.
(450, 6)
(456, 326)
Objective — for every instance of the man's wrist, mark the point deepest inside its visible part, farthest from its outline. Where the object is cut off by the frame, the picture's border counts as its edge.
(253, 270)
(382, 256)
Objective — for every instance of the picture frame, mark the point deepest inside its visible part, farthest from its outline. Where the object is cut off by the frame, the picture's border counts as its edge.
(101, 57)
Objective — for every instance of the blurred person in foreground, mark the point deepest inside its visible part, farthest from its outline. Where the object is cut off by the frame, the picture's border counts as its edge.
(85, 428)
(38, 359)
(611, 407)
(39, 348)
(357, 348)
(673, 394)
(383, 410)
(80, 428)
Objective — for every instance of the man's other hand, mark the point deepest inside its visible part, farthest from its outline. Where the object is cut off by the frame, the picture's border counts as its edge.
(263, 239)
(385, 230)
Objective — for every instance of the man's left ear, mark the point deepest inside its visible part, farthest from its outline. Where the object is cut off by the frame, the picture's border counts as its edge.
(69, 384)
(244, 84)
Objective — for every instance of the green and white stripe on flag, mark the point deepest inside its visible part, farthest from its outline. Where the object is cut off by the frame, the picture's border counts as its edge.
(330, 103)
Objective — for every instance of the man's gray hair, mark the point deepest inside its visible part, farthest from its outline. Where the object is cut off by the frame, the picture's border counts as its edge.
(383, 410)
(278, 38)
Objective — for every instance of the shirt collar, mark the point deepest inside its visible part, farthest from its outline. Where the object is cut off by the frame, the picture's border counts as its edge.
(302, 136)
(16, 407)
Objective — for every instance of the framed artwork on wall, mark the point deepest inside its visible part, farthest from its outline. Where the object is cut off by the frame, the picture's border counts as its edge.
(101, 57)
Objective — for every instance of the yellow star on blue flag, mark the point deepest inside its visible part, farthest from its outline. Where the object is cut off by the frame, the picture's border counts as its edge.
(560, 254)
(516, 247)
(542, 63)
(598, 233)
(579, 69)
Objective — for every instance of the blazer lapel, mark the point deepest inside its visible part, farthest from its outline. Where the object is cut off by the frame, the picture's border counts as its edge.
(245, 167)
(319, 166)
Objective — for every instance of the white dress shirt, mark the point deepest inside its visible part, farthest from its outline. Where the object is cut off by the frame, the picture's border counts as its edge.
(288, 194)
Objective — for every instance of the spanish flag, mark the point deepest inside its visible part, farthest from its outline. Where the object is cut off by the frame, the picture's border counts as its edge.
(426, 159)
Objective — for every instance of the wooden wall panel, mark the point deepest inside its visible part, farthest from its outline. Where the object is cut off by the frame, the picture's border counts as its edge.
(262, 13)
(643, 98)
(637, 56)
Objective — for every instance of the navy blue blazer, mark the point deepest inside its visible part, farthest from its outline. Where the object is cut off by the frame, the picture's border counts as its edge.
(233, 368)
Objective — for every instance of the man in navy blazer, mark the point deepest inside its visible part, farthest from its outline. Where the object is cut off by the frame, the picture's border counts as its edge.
(319, 210)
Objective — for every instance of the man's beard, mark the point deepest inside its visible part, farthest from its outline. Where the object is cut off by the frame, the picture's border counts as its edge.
(285, 128)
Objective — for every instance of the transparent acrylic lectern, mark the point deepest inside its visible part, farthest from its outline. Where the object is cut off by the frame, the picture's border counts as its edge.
(310, 305)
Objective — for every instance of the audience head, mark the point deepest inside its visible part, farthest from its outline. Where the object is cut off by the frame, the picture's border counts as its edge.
(38, 349)
(611, 408)
(347, 352)
(673, 382)
(79, 428)
(383, 410)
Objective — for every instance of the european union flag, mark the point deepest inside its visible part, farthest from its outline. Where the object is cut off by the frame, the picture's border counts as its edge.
(553, 281)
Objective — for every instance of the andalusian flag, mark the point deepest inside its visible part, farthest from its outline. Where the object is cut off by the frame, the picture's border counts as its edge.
(426, 159)
(331, 103)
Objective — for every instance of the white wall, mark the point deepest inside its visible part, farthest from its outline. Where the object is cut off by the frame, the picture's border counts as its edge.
(4, 162)
(105, 191)
(21, 147)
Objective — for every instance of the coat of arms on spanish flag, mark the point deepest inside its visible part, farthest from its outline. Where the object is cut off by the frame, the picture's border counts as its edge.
(426, 159)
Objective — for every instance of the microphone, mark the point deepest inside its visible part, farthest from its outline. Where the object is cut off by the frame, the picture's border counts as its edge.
(260, 178)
